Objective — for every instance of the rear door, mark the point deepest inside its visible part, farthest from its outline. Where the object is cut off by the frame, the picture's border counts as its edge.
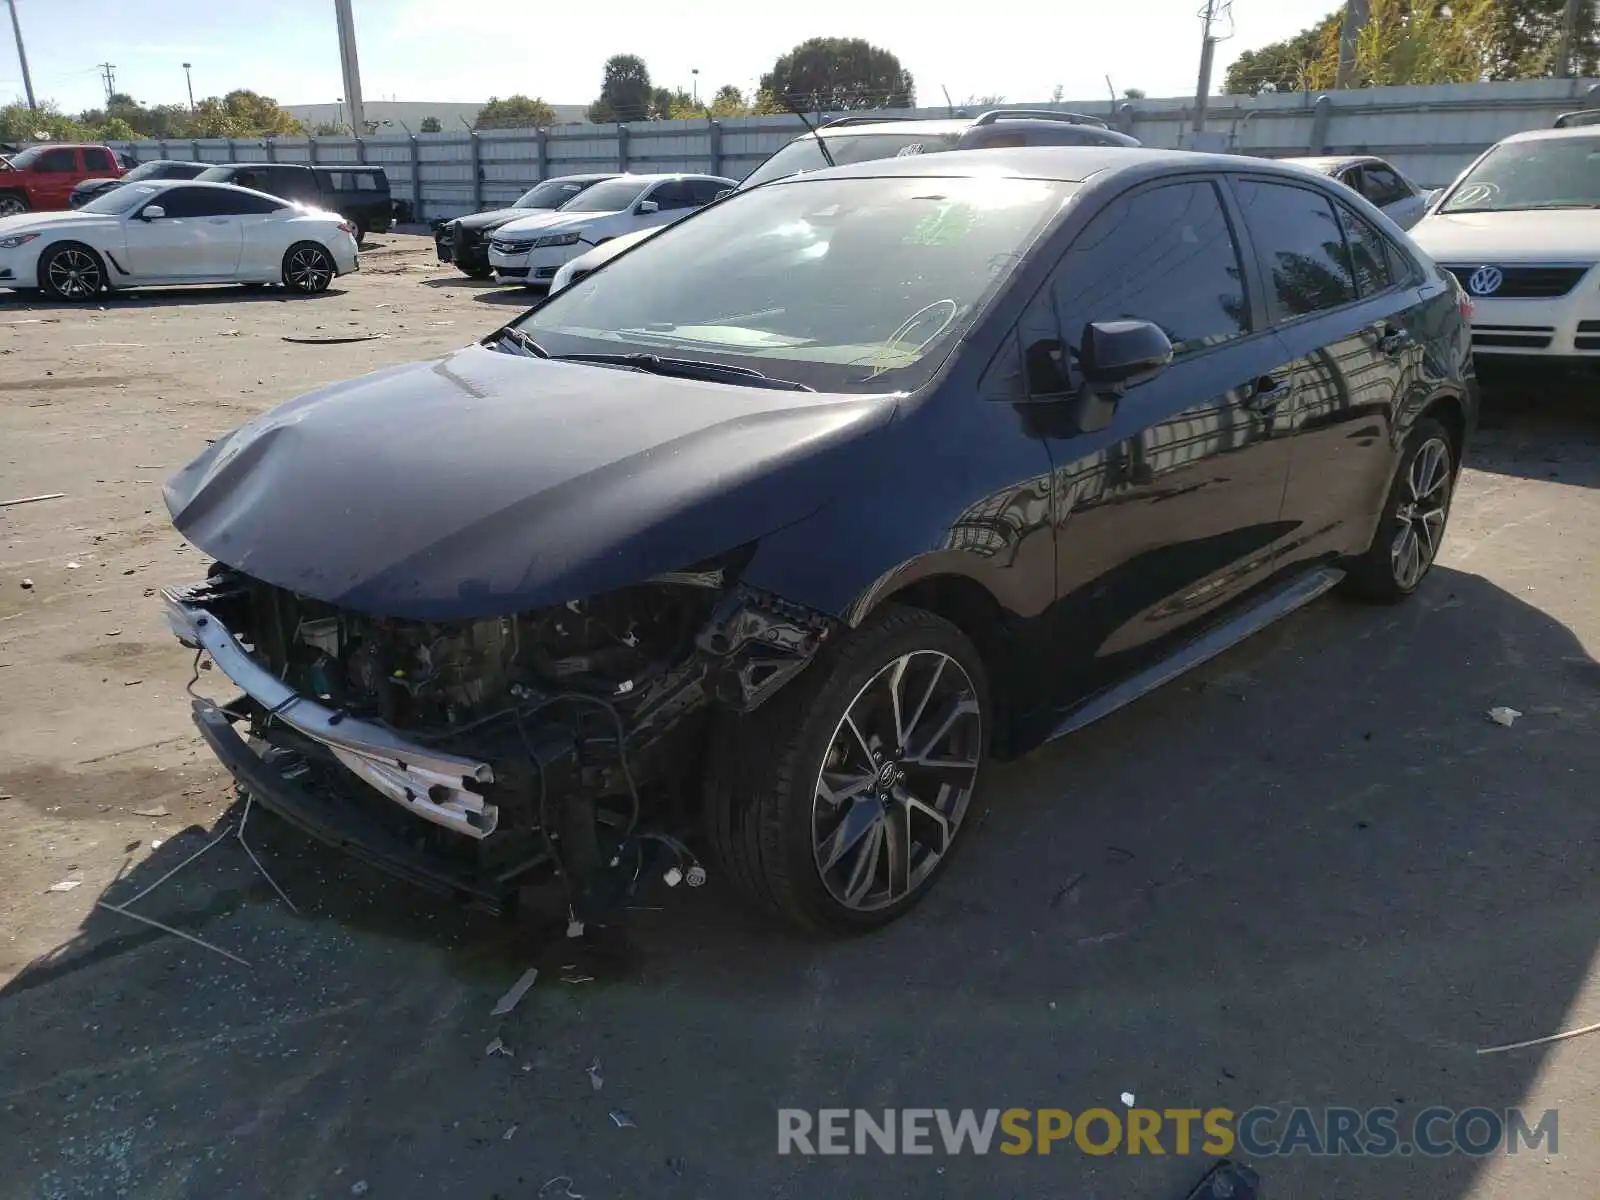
(1345, 315)
(55, 172)
(190, 241)
(1171, 516)
(1385, 187)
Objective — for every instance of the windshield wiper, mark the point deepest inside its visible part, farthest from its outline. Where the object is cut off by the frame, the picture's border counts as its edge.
(688, 368)
(515, 336)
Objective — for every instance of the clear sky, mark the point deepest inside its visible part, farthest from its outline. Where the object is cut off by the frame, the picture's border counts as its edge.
(467, 50)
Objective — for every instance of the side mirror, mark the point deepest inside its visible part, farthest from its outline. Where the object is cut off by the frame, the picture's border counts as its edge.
(648, 206)
(1117, 355)
(722, 193)
(152, 212)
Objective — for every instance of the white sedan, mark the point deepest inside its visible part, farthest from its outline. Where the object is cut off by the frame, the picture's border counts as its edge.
(175, 232)
(532, 249)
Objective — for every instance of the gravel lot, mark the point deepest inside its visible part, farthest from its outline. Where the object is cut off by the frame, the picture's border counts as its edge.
(1313, 873)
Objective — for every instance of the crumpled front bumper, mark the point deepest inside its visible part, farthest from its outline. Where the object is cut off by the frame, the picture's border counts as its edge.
(433, 785)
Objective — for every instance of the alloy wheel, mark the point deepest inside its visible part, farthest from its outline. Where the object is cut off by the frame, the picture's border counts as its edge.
(1421, 514)
(10, 206)
(74, 274)
(309, 270)
(896, 781)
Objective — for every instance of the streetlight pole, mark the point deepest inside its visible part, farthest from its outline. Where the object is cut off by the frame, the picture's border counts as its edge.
(695, 72)
(190, 84)
(22, 57)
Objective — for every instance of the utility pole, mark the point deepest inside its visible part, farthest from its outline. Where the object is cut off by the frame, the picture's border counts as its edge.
(108, 73)
(1569, 32)
(189, 83)
(22, 57)
(1356, 15)
(350, 66)
(1208, 48)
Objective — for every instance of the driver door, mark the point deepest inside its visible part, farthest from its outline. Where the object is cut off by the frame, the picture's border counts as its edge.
(193, 239)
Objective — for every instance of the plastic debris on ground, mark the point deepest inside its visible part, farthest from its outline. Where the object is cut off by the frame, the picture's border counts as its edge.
(560, 1186)
(1501, 715)
(497, 1047)
(515, 993)
(1227, 1181)
(596, 1080)
(31, 499)
(622, 1120)
(159, 810)
(358, 1188)
(506, 1136)
(66, 885)
(1127, 1099)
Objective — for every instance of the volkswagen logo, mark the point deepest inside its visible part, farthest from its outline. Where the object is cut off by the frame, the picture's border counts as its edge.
(1486, 281)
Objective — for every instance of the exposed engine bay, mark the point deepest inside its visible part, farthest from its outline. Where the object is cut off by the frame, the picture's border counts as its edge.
(562, 741)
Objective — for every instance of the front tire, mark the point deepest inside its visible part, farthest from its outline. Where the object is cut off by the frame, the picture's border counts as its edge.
(837, 804)
(72, 272)
(308, 268)
(1411, 530)
(11, 203)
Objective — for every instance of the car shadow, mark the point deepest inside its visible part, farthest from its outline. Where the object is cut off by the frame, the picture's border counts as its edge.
(463, 281)
(1539, 429)
(1312, 873)
(171, 297)
(513, 297)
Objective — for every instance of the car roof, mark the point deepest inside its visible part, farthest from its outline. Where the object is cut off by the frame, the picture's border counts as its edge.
(596, 176)
(1065, 164)
(930, 125)
(658, 177)
(1334, 162)
(1538, 135)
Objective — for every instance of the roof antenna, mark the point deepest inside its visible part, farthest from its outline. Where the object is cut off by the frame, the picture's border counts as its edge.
(949, 105)
(822, 143)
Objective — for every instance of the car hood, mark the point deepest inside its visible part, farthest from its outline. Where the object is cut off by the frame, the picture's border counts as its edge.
(486, 483)
(496, 217)
(544, 222)
(1545, 235)
(89, 184)
(25, 222)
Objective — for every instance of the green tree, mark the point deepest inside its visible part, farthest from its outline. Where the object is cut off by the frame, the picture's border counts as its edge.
(729, 101)
(625, 91)
(1134, 94)
(838, 74)
(514, 112)
(19, 123)
(1528, 37)
(114, 129)
(1288, 65)
(431, 125)
(329, 129)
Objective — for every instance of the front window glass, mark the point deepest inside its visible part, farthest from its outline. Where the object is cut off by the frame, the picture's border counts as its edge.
(1538, 173)
(222, 174)
(860, 285)
(614, 195)
(804, 154)
(552, 193)
(120, 200)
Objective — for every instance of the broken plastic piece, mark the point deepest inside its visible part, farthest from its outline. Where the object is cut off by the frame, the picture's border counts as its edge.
(515, 993)
(506, 1136)
(696, 876)
(596, 1080)
(497, 1047)
(1501, 715)
(66, 885)
(1127, 1099)
(574, 928)
(673, 877)
(564, 1182)
(1228, 1181)
(358, 1188)
(622, 1120)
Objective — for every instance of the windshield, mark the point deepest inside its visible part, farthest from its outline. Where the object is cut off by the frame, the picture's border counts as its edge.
(804, 154)
(149, 170)
(26, 158)
(119, 200)
(1538, 173)
(844, 285)
(552, 193)
(222, 174)
(613, 195)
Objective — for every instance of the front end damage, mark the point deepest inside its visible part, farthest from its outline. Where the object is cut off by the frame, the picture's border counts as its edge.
(478, 757)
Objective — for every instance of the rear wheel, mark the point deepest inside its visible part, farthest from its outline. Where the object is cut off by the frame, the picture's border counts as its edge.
(71, 271)
(1411, 530)
(308, 268)
(837, 804)
(12, 203)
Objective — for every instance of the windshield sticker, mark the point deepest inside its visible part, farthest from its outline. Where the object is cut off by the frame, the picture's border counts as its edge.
(950, 224)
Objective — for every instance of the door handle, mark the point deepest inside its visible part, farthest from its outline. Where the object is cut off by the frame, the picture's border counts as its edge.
(1392, 341)
(1267, 394)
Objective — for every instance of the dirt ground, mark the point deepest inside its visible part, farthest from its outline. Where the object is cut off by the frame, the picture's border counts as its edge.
(1313, 873)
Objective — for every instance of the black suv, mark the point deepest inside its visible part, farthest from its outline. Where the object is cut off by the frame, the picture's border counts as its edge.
(357, 192)
(464, 241)
(766, 538)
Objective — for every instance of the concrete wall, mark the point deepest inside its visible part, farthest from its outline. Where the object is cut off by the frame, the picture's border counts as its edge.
(1430, 133)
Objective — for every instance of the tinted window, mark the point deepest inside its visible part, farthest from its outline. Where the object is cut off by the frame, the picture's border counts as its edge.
(96, 159)
(57, 159)
(704, 191)
(1301, 247)
(674, 195)
(288, 181)
(185, 202)
(552, 193)
(1382, 186)
(1369, 254)
(1164, 255)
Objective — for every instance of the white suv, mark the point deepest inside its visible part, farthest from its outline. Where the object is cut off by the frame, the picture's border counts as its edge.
(1520, 229)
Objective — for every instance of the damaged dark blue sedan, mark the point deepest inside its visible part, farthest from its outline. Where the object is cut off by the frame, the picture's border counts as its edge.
(764, 538)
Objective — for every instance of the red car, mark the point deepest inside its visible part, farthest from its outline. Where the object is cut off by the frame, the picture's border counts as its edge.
(41, 178)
